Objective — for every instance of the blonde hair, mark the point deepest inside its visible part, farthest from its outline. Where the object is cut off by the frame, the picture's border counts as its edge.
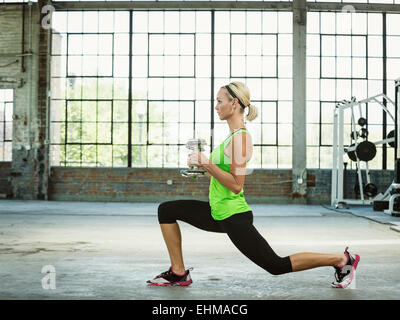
(242, 93)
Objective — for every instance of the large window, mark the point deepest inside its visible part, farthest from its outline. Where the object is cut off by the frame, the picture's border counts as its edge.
(6, 112)
(349, 55)
(90, 86)
(171, 84)
(130, 88)
(256, 48)
(177, 0)
(359, 1)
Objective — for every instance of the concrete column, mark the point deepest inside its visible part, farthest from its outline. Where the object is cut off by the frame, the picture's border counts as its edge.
(299, 154)
(20, 50)
(24, 177)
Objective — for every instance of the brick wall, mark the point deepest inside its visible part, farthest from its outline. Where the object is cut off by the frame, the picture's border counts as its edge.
(5, 183)
(148, 185)
(320, 183)
(139, 184)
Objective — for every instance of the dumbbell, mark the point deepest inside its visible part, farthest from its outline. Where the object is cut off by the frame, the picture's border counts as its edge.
(362, 134)
(194, 171)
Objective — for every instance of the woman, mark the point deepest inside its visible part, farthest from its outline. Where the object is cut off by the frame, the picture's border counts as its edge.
(227, 210)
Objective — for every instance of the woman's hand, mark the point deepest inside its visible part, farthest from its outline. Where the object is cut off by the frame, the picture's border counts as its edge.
(197, 158)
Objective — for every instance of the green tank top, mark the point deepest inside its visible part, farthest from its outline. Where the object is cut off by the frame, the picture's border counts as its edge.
(224, 202)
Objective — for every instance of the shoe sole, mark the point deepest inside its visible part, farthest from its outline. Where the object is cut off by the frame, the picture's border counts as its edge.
(353, 269)
(179, 283)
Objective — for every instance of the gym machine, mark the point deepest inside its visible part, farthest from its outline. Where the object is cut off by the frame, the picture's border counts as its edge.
(359, 152)
(390, 201)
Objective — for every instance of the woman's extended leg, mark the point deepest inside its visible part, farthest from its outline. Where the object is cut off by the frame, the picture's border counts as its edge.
(250, 242)
(194, 212)
(308, 260)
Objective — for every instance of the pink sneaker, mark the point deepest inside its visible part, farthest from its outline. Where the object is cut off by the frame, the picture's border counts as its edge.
(345, 274)
(169, 278)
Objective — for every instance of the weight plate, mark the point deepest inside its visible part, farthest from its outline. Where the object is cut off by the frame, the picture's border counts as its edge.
(366, 151)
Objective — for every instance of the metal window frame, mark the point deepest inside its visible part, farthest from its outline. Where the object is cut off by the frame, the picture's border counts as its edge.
(370, 9)
(81, 55)
(231, 34)
(5, 103)
(161, 75)
(321, 35)
(212, 7)
(3, 123)
(212, 54)
(222, 5)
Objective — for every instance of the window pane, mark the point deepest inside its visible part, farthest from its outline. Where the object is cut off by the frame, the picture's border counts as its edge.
(104, 155)
(156, 155)
(171, 133)
(284, 134)
(139, 155)
(186, 132)
(328, 24)
(313, 135)
(88, 132)
(285, 112)
(343, 46)
(171, 156)
(375, 46)
(343, 67)
(73, 155)
(106, 44)
(139, 133)
(328, 46)
(269, 157)
(312, 157)
(104, 132)
(155, 133)
(140, 22)
(74, 132)
(186, 112)
(268, 112)
(327, 109)
(89, 110)
(89, 156)
(120, 133)
(359, 46)
(75, 44)
(312, 112)
(284, 157)
(269, 133)
(326, 157)
(326, 134)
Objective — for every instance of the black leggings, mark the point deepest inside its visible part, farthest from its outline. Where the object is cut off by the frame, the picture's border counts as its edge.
(238, 227)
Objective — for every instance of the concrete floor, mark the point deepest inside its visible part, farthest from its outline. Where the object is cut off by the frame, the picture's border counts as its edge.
(108, 250)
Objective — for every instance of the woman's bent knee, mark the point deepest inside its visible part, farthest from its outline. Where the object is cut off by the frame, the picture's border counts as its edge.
(166, 213)
(279, 266)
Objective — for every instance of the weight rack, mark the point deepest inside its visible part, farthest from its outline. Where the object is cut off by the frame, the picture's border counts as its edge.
(393, 191)
(339, 150)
